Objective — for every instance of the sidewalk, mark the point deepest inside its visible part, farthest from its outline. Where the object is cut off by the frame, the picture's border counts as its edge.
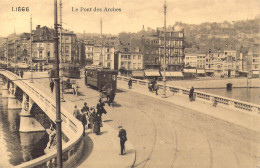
(100, 150)
(243, 118)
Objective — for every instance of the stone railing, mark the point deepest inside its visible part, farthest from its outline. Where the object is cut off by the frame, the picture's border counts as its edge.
(71, 128)
(223, 101)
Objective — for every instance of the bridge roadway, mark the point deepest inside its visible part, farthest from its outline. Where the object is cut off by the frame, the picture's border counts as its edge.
(174, 132)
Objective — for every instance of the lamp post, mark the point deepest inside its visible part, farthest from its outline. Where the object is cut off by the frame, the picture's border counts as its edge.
(57, 90)
(7, 62)
(164, 57)
(31, 69)
(61, 56)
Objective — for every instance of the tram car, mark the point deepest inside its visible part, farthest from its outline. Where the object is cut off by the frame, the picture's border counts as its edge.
(71, 70)
(100, 78)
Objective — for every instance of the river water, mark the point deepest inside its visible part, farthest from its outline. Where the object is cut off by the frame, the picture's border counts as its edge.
(251, 95)
(17, 147)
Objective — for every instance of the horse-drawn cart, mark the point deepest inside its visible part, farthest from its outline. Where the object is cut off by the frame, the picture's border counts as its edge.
(70, 86)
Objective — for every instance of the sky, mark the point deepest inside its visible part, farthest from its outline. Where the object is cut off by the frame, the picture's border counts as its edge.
(132, 16)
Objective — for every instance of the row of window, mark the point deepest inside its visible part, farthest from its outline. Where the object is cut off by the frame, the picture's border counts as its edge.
(127, 65)
(128, 57)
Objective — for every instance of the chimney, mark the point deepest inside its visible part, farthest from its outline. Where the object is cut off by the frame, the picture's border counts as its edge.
(38, 27)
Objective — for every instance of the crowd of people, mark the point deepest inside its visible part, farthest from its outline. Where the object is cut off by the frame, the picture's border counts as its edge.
(91, 118)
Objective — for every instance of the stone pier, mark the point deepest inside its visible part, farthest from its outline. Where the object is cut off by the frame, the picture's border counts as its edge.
(27, 122)
(13, 102)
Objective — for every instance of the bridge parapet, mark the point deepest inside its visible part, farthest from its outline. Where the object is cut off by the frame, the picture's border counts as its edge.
(207, 97)
(71, 128)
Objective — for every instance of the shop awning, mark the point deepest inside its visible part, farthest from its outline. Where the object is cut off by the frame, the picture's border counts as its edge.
(209, 70)
(200, 71)
(152, 73)
(176, 74)
(189, 70)
(138, 73)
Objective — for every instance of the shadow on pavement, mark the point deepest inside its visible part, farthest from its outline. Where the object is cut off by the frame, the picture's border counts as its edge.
(88, 149)
(115, 104)
(107, 120)
(130, 151)
(119, 91)
(101, 133)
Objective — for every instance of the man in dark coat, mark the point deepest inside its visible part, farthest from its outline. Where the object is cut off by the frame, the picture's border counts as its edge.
(123, 138)
(130, 83)
(112, 97)
(100, 107)
(21, 73)
(83, 121)
(85, 108)
(191, 94)
(52, 85)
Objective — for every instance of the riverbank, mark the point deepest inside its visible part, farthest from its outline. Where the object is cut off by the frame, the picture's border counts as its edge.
(211, 83)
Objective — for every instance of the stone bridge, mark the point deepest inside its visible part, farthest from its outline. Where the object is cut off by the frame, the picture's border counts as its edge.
(22, 95)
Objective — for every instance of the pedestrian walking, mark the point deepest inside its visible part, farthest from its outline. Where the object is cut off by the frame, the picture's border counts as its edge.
(100, 108)
(150, 86)
(76, 113)
(97, 124)
(156, 88)
(112, 97)
(83, 120)
(85, 108)
(51, 85)
(21, 73)
(130, 83)
(108, 93)
(153, 83)
(191, 94)
(91, 118)
(123, 139)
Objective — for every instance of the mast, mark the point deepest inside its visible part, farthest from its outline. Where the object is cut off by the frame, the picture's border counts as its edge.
(101, 48)
(164, 60)
(57, 89)
(31, 69)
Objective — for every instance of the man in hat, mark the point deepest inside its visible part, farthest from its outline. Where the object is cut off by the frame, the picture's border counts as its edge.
(123, 138)
(76, 113)
(85, 108)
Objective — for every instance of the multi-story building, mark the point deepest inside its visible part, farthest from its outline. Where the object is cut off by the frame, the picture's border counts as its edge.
(201, 60)
(69, 46)
(174, 47)
(42, 46)
(230, 63)
(154, 49)
(89, 49)
(130, 57)
(191, 60)
(221, 63)
(253, 61)
(103, 54)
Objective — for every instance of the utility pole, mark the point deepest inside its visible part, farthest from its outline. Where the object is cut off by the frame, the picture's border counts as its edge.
(57, 90)
(7, 62)
(31, 69)
(61, 55)
(164, 60)
(101, 48)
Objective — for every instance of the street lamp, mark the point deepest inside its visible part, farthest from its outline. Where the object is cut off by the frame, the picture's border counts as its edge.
(31, 80)
(164, 57)
(57, 90)
(61, 56)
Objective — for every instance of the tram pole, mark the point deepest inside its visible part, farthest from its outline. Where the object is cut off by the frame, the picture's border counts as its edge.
(57, 90)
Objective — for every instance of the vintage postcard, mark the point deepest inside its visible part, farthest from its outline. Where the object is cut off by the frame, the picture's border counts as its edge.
(130, 83)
